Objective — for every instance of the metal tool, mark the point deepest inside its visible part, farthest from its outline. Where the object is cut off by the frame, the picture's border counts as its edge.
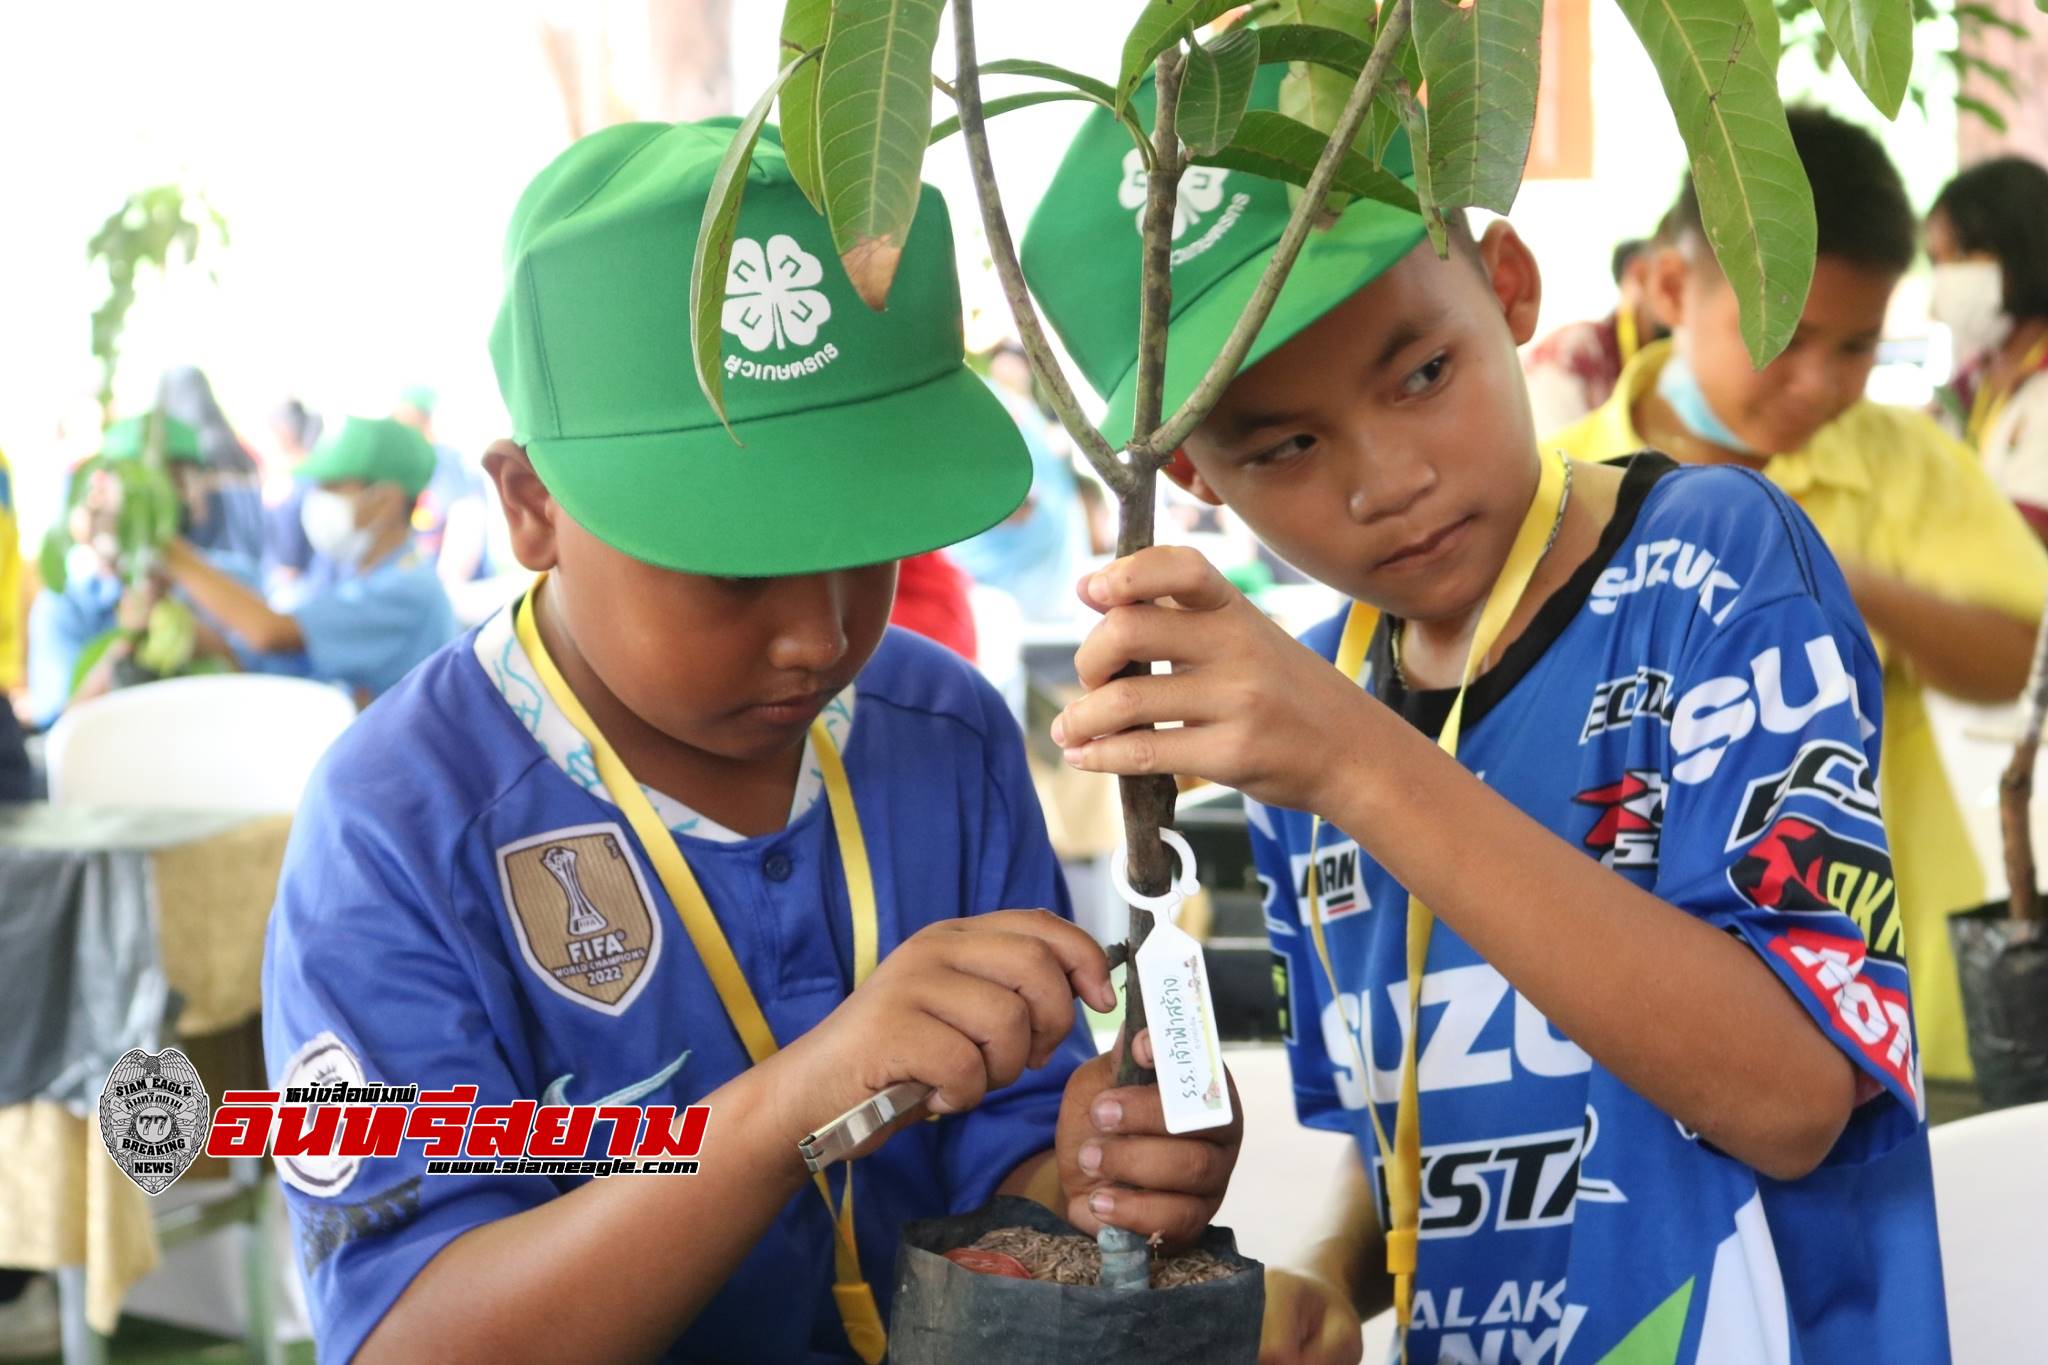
(837, 1139)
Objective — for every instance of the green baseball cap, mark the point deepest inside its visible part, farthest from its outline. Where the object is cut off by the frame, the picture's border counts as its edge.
(862, 435)
(127, 438)
(1224, 233)
(372, 450)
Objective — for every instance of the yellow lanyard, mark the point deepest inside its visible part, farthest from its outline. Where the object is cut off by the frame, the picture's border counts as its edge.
(856, 1300)
(1401, 1159)
(1988, 405)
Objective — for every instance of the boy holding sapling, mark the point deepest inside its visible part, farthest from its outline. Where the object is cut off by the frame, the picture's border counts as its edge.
(1551, 852)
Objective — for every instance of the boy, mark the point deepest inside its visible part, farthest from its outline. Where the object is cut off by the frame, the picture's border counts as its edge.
(386, 609)
(463, 903)
(1661, 1096)
(1945, 572)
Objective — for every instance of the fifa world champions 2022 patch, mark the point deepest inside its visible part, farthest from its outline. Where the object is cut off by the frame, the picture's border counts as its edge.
(582, 913)
(154, 1116)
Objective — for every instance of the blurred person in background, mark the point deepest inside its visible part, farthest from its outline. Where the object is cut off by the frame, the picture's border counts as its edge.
(1574, 369)
(230, 498)
(15, 782)
(97, 597)
(1949, 579)
(289, 564)
(386, 609)
(1988, 237)
(1036, 553)
(932, 600)
(452, 521)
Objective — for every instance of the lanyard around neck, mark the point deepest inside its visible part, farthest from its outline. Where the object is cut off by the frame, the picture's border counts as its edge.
(855, 1299)
(1988, 405)
(1401, 1159)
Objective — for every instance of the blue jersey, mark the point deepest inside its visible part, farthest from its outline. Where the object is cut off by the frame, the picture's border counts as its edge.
(1697, 708)
(419, 938)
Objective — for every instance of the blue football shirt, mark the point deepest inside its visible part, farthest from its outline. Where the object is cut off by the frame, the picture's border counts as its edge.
(1697, 708)
(418, 939)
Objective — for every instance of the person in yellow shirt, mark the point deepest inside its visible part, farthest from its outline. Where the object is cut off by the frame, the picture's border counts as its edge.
(14, 768)
(1950, 580)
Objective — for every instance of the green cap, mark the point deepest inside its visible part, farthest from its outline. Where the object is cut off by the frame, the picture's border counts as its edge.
(372, 450)
(1224, 234)
(127, 438)
(421, 396)
(863, 436)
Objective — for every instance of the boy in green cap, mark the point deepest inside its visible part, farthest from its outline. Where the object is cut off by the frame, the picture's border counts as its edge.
(1619, 1024)
(96, 599)
(386, 610)
(687, 826)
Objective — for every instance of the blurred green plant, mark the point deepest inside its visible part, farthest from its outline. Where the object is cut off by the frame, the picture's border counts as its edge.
(1804, 26)
(152, 228)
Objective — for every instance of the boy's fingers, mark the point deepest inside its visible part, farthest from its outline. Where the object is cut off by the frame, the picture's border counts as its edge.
(1143, 752)
(1136, 1111)
(1080, 957)
(1179, 1218)
(1118, 705)
(1173, 571)
(1025, 969)
(996, 1020)
(937, 1054)
(1137, 634)
(1171, 1165)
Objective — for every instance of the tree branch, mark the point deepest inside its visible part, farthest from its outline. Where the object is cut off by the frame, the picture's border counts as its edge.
(2016, 788)
(1002, 250)
(1155, 294)
(1161, 444)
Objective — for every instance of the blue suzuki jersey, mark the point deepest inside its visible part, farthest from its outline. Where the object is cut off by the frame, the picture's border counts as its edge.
(420, 938)
(1697, 708)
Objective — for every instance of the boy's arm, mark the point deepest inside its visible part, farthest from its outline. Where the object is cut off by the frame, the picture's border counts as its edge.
(1972, 652)
(1607, 962)
(241, 609)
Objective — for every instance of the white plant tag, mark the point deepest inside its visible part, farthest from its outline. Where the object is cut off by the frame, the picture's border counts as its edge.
(1181, 1014)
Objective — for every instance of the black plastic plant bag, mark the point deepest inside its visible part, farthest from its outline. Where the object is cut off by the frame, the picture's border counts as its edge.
(2003, 963)
(945, 1314)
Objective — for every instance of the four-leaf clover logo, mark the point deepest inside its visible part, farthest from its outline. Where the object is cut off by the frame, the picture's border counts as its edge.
(770, 294)
(1201, 191)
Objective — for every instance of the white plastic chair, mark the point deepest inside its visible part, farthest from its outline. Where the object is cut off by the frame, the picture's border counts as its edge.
(236, 741)
(1991, 1202)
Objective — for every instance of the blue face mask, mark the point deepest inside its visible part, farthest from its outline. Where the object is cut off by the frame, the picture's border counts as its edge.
(1680, 387)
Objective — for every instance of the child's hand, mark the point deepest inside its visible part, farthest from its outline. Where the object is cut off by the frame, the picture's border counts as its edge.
(1308, 1321)
(964, 1006)
(1119, 1166)
(1259, 711)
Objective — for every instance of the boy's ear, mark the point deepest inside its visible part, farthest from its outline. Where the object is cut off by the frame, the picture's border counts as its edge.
(1517, 283)
(1669, 272)
(529, 508)
(1183, 472)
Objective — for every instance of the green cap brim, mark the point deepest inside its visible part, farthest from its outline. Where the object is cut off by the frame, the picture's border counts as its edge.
(938, 463)
(1335, 263)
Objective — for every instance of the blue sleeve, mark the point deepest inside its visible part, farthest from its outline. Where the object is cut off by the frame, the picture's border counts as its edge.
(1314, 1032)
(361, 981)
(364, 630)
(54, 644)
(1017, 871)
(1773, 831)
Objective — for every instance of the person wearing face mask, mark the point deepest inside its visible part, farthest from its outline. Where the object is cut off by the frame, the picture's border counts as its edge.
(1947, 576)
(1988, 237)
(386, 609)
(97, 596)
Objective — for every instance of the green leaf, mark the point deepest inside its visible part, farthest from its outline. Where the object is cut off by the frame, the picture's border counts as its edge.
(1327, 43)
(1281, 148)
(806, 24)
(1334, 48)
(1768, 31)
(874, 115)
(1983, 15)
(1160, 25)
(714, 243)
(1970, 104)
(1417, 123)
(89, 657)
(50, 565)
(1217, 89)
(1875, 38)
(1003, 104)
(1967, 62)
(1754, 197)
(1481, 65)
